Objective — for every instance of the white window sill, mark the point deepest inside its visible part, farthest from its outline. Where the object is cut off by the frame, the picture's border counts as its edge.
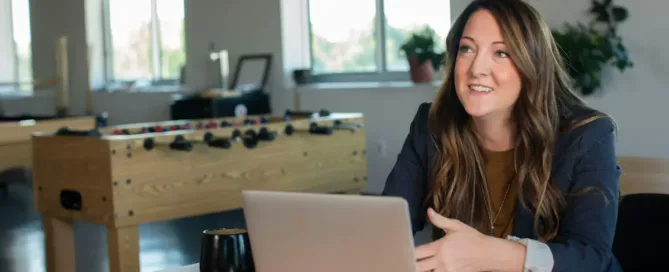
(367, 85)
(7, 95)
(147, 89)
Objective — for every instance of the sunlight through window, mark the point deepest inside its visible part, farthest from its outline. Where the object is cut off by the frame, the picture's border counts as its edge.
(345, 36)
(22, 40)
(147, 37)
(403, 17)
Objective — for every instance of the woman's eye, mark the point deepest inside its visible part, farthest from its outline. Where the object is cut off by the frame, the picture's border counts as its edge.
(465, 49)
(502, 54)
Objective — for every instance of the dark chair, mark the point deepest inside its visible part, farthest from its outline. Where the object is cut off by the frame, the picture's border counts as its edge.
(641, 241)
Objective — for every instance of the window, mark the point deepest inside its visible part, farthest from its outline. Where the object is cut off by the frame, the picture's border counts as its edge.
(145, 40)
(361, 39)
(22, 46)
(15, 47)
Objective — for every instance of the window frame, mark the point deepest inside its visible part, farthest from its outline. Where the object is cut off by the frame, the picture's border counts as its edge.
(19, 85)
(15, 51)
(156, 50)
(382, 73)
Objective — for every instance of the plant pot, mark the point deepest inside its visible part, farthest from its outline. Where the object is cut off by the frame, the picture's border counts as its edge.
(301, 76)
(420, 72)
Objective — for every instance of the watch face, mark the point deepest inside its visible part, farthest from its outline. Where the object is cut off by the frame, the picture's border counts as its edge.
(240, 110)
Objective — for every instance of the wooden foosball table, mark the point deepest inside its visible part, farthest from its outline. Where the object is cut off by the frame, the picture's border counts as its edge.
(15, 140)
(128, 175)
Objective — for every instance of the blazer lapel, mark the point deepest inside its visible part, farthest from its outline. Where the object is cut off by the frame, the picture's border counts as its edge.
(523, 223)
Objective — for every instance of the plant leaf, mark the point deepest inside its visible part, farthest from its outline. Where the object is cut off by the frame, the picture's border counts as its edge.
(586, 49)
(602, 17)
(619, 13)
(599, 11)
(596, 7)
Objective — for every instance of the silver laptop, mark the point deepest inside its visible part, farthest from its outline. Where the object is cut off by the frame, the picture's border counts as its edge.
(299, 232)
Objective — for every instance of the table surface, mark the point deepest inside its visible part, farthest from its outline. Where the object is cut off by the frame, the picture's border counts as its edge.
(189, 268)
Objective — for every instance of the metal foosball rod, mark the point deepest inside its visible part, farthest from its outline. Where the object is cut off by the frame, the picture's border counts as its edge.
(184, 142)
(178, 125)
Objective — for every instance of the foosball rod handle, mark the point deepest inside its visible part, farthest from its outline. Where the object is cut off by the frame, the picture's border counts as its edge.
(220, 143)
(181, 144)
(320, 130)
(65, 131)
(290, 130)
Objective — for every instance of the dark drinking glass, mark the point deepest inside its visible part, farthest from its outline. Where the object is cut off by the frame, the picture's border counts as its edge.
(226, 250)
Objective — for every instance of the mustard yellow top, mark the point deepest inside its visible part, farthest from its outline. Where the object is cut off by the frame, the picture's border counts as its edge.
(499, 173)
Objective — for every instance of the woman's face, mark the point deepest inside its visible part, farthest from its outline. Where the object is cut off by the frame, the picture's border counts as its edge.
(487, 81)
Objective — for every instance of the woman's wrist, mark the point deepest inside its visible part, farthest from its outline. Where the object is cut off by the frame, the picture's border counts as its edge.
(503, 255)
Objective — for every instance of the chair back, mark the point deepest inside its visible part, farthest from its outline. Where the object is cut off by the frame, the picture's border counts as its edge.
(641, 239)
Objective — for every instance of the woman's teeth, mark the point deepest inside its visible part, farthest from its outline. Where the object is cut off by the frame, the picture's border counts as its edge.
(480, 88)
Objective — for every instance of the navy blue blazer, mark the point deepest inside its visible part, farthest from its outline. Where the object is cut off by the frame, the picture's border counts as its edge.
(584, 157)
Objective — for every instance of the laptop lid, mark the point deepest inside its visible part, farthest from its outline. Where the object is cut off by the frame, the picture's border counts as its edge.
(323, 232)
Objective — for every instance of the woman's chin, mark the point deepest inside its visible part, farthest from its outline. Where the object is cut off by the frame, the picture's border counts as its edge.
(477, 111)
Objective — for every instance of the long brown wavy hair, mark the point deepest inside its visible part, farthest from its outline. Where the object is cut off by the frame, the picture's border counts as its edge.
(544, 109)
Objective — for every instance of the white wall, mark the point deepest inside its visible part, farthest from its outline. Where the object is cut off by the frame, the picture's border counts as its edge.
(240, 26)
(49, 20)
(95, 42)
(295, 43)
(126, 108)
(637, 98)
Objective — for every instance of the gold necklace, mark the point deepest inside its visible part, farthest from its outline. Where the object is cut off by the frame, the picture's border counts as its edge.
(499, 210)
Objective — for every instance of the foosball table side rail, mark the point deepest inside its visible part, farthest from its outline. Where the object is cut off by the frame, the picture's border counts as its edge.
(196, 124)
(15, 144)
(121, 180)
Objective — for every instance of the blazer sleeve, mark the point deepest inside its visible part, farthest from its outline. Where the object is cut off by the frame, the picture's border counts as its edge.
(585, 237)
(408, 178)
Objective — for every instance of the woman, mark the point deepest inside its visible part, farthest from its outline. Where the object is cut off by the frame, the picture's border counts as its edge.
(517, 172)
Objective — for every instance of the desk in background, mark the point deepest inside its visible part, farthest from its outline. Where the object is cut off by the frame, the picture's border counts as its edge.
(202, 106)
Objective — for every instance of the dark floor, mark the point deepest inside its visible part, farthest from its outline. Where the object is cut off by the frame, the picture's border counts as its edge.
(162, 245)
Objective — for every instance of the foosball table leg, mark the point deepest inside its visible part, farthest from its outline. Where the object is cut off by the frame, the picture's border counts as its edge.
(59, 243)
(123, 246)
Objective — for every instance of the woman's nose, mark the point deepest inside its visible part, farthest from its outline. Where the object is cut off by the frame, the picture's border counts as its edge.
(480, 66)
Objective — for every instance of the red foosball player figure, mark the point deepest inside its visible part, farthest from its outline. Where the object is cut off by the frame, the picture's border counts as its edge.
(211, 124)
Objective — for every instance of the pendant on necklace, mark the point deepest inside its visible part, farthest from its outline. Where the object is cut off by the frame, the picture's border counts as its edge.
(492, 231)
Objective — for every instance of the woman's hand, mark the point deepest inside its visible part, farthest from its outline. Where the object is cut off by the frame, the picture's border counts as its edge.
(463, 248)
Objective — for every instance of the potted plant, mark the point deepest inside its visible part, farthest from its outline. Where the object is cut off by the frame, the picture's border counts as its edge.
(421, 55)
(587, 49)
